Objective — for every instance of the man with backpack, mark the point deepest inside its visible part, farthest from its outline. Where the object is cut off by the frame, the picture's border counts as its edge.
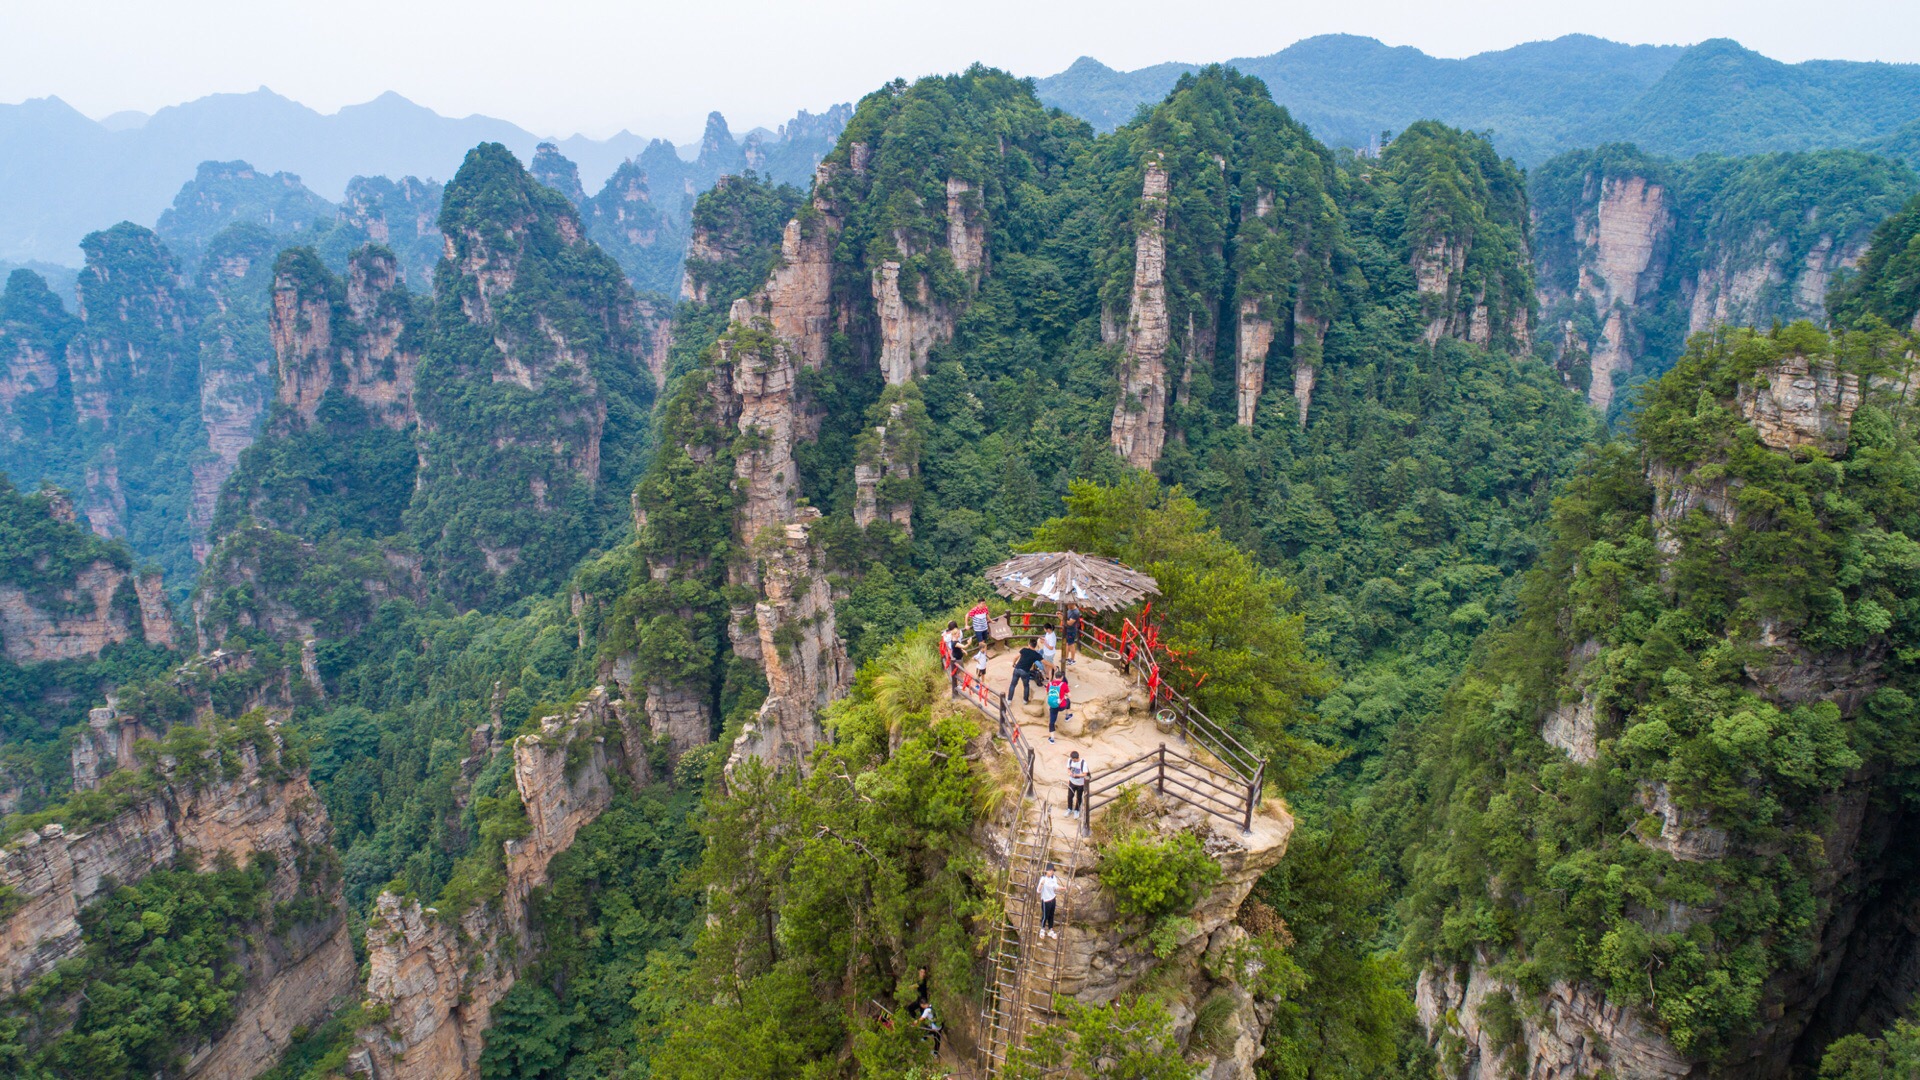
(1024, 673)
(1078, 773)
(1059, 695)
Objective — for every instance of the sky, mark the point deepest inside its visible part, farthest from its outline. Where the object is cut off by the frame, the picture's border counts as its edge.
(557, 67)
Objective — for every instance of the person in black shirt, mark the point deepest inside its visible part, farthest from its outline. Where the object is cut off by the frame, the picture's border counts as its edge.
(1024, 673)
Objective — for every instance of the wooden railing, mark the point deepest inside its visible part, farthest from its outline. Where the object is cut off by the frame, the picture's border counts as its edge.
(974, 688)
(1141, 654)
(1174, 775)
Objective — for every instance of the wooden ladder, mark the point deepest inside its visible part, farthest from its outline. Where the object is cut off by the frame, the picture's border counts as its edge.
(1026, 963)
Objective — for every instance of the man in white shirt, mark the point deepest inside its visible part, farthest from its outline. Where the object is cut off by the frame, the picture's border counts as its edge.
(1078, 773)
(1049, 889)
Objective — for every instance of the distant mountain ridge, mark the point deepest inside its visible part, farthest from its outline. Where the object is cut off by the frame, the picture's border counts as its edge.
(1546, 97)
(64, 175)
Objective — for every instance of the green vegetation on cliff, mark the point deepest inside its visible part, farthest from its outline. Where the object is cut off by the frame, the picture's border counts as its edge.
(1705, 735)
(158, 975)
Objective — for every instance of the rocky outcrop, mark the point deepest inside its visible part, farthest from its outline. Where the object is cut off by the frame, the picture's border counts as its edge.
(106, 745)
(1802, 405)
(436, 978)
(966, 228)
(1140, 416)
(357, 345)
(28, 372)
(293, 978)
(78, 621)
(908, 328)
(1256, 338)
(888, 459)
(1103, 957)
(1574, 1033)
(1756, 279)
(799, 645)
(797, 300)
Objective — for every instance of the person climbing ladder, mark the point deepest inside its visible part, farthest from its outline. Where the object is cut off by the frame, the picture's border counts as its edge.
(1049, 889)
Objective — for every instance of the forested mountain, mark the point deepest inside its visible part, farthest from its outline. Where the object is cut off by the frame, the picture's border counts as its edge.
(1547, 97)
(85, 174)
(565, 703)
(1636, 252)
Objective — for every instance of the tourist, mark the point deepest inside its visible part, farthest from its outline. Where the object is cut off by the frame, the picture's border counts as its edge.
(1048, 889)
(952, 637)
(1078, 773)
(978, 618)
(1071, 634)
(1024, 674)
(926, 1020)
(1058, 699)
(980, 666)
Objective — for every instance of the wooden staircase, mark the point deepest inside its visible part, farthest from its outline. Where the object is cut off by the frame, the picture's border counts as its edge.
(1026, 963)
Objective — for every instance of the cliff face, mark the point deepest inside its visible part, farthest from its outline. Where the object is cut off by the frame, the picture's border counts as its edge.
(83, 595)
(359, 339)
(1625, 233)
(294, 979)
(1857, 968)
(438, 981)
(1641, 251)
(34, 329)
(84, 617)
(1140, 417)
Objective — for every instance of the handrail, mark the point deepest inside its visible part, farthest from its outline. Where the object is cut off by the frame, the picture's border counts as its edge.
(964, 684)
(1190, 783)
(1232, 794)
(1137, 652)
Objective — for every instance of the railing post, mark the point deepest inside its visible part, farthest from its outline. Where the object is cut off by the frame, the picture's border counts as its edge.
(1029, 770)
(1253, 796)
(1162, 781)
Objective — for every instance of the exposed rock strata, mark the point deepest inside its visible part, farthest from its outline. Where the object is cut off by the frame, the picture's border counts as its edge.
(357, 347)
(1802, 405)
(87, 616)
(1623, 231)
(292, 980)
(1256, 338)
(1575, 1033)
(800, 648)
(1140, 416)
(438, 980)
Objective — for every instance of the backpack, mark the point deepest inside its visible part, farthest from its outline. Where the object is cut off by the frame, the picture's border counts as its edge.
(1053, 696)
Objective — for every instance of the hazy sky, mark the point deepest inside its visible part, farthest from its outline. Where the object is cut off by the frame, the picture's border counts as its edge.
(561, 66)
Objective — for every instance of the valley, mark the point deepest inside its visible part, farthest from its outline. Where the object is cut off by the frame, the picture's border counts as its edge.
(480, 628)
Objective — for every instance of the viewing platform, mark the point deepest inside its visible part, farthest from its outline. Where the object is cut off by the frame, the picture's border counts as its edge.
(1112, 725)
